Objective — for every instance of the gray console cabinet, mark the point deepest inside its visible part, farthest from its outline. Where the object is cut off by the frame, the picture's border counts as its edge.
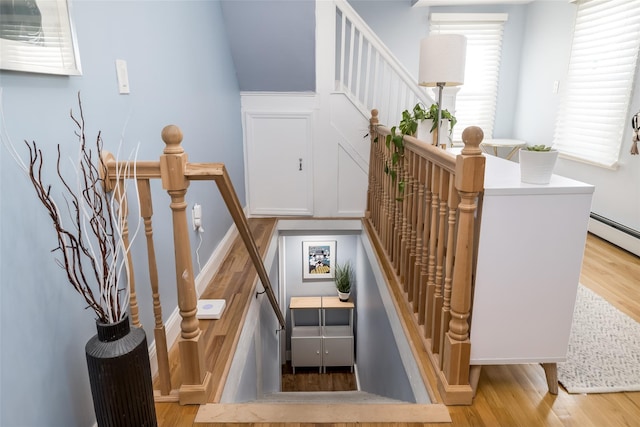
(321, 345)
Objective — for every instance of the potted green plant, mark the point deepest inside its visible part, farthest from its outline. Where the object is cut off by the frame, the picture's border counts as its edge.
(422, 123)
(537, 163)
(410, 125)
(343, 279)
(92, 250)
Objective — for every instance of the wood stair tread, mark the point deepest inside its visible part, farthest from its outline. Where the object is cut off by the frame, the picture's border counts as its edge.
(226, 413)
(335, 397)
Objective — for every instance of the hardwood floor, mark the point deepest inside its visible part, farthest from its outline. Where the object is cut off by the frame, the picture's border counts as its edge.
(308, 379)
(516, 395)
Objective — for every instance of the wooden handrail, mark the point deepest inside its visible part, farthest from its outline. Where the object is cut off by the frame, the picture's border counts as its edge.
(422, 204)
(218, 173)
(176, 173)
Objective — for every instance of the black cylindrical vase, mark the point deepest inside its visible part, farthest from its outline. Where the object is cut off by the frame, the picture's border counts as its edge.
(120, 376)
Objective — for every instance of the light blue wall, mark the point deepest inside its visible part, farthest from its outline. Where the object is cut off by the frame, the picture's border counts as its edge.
(398, 25)
(380, 367)
(270, 334)
(180, 72)
(273, 44)
(545, 54)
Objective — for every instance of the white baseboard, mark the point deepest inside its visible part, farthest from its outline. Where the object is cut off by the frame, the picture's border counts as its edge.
(615, 236)
(172, 325)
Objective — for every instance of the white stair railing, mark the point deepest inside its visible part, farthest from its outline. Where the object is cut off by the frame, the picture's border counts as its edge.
(368, 73)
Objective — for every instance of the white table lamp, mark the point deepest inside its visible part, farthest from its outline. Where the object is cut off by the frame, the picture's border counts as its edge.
(442, 60)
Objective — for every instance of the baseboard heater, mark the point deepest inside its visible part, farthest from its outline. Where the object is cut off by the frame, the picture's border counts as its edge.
(616, 233)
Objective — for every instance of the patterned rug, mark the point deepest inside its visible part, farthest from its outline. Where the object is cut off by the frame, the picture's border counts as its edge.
(604, 348)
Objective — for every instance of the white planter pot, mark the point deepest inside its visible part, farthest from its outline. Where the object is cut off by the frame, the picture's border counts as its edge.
(343, 296)
(424, 132)
(536, 167)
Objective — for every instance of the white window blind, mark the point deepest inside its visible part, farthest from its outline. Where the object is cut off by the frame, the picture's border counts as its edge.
(37, 36)
(595, 98)
(476, 100)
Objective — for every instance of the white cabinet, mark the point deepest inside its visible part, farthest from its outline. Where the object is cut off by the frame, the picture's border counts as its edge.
(321, 345)
(530, 252)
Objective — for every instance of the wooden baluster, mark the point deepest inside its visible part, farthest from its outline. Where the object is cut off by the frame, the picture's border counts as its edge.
(159, 333)
(426, 229)
(469, 182)
(379, 189)
(449, 260)
(437, 297)
(373, 121)
(393, 209)
(397, 211)
(196, 380)
(433, 240)
(391, 194)
(388, 200)
(422, 171)
(403, 238)
(411, 261)
(380, 201)
(385, 194)
(379, 209)
(396, 221)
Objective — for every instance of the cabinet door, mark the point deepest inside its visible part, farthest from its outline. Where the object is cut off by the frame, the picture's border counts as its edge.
(338, 351)
(279, 163)
(306, 351)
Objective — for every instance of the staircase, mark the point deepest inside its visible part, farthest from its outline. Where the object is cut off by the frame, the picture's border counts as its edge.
(323, 397)
(321, 407)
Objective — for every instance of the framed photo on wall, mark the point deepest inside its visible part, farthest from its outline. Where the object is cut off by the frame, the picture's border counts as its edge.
(37, 36)
(318, 260)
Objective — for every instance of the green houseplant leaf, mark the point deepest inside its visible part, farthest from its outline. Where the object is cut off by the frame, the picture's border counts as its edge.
(344, 277)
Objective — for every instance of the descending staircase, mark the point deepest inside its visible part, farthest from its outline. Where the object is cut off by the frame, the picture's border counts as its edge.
(321, 407)
(334, 397)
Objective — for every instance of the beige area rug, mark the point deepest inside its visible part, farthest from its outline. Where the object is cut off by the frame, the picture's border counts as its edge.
(604, 348)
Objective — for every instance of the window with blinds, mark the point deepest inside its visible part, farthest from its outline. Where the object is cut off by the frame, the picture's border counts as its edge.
(595, 98)
(36, 36)
(476, 100)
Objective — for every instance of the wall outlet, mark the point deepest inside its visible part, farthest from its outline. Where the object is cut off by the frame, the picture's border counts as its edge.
(196, 217)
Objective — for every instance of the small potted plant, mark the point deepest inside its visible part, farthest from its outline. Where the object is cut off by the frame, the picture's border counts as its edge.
(423, 122)
(537, 163)
(343, 279)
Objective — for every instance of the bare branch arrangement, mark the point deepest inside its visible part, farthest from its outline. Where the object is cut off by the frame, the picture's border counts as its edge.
(90, 247)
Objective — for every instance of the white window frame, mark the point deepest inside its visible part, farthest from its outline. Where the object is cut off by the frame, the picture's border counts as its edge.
(476, 101)
(49, 49)
(595, 98)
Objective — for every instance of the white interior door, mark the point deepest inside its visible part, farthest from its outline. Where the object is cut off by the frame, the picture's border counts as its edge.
(279, 164)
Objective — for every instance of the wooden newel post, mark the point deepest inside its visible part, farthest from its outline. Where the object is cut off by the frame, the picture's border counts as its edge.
(469, 183)
(196, 380)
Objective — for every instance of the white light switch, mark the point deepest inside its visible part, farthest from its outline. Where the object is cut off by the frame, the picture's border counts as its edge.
(123, 76)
